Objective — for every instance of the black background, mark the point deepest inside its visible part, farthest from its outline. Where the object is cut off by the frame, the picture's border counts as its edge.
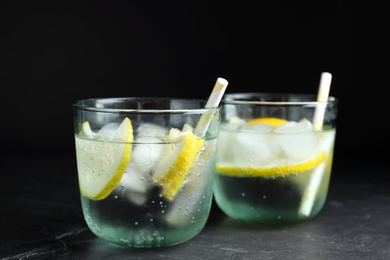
(55, 52)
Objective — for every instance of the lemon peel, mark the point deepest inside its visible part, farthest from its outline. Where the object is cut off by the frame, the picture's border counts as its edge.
(272, 171)
(101, 164)
(173, 178)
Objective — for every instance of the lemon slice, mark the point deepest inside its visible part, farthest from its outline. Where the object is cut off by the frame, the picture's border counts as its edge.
(101, 163)
(179, 162)
(272, 121)
(272, 171)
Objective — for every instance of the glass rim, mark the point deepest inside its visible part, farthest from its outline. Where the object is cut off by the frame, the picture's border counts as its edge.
(81, 104)
(231, 98)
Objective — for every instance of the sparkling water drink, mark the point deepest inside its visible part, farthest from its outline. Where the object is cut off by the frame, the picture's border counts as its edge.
(145, 177)
(273, 164)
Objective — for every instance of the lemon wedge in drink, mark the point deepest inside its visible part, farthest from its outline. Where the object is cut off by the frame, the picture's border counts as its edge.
(271, 171)
(172, 170)
(272, 121)
(101, 161)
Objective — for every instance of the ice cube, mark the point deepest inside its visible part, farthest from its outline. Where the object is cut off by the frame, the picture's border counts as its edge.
(260, 128)
(170, 151)
(187, 128)
(109, 130)
(249, 145)
(224, 146)
(298, 140)
(233, 124)
(134, 185)
(251, 149)
(151, 130)
(146, 152)
(236, 120)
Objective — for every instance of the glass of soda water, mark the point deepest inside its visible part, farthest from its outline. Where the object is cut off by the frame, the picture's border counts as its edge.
(274, 157)
(145, 168)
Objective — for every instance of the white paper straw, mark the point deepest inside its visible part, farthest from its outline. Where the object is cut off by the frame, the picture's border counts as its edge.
(213, 101)
(322, 96)
(318, 120)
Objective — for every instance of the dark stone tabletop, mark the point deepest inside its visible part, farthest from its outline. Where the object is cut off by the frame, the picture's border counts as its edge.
(41, 218)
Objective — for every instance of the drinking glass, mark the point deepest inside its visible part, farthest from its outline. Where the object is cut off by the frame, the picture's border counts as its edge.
(145, 168)
(274, 156)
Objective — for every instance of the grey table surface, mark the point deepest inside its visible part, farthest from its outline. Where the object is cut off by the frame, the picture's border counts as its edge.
(41, 218)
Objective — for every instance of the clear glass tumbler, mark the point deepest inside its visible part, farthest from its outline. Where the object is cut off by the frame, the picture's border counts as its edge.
(145, 168)
(274, 156)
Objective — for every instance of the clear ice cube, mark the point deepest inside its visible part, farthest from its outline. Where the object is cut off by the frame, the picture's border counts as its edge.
(258, 128)
(298, 141)
(109, 130)
(251, 149)
(134, 185)
(146, 152)
(137, 179)
(151, 130)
